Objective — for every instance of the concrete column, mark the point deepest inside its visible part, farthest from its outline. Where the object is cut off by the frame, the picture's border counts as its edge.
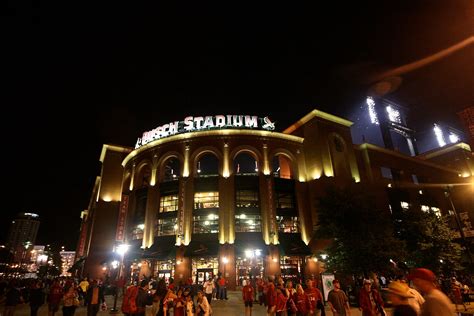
(183, 265)
(185, 211)
(227, 264)
(304, 211)
(152, 204)
(226, 210)
(268, 210)
(272, 261)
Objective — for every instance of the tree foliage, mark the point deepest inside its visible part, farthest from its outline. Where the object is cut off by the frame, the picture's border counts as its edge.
(363, 234)
(429, 241)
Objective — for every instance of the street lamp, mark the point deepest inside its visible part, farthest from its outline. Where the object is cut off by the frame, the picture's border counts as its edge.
(121, 250)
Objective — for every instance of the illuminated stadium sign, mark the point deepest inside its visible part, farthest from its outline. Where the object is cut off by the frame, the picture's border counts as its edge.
(203, 123)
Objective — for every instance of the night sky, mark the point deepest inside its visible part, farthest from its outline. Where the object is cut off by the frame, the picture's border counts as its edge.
(76, 76)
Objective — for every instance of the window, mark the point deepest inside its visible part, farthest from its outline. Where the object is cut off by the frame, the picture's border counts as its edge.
(166, 226)
(285, 200)
(386, 173)
(287, 224)
(137, 231)
(206, 200)
(246, 198)
(436, 210)
(206, 224)
(169, 203)
(248, 223)
(405, 205)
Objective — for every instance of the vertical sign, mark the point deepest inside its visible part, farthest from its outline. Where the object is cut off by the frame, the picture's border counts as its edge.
(120, 233)
(181, 205)
(82, 239)
(271, 212)
(327, 284)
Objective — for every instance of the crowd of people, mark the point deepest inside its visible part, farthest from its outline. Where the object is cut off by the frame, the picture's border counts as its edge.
(428, 296)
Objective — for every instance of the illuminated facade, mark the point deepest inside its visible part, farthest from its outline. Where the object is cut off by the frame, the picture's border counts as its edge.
(236, 197)
(67, 259)
(22, 234)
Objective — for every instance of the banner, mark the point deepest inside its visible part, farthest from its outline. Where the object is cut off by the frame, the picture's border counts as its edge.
(327, 284)
(123, 209)
(82, 240)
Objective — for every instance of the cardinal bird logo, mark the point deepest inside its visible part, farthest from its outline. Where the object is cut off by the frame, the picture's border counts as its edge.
(269, 125)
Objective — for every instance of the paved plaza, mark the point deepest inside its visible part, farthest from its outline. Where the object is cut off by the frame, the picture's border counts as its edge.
(231, 307)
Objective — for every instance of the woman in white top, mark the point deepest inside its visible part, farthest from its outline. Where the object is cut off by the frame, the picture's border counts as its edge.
(203, 307)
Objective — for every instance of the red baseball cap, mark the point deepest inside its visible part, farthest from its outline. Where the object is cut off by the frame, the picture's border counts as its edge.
(423, 274)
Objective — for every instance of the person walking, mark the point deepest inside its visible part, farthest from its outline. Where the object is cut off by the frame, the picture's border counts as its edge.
(70, 300)
(370, 301)
(248, 297)
(338, 301)
(208, 288)
(399, 294)
(36, 297)
(54, 297)
(436, 302)
(94, 297)
(12, 298)
(303, 306)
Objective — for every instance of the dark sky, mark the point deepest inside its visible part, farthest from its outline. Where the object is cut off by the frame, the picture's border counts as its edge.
(76, 76)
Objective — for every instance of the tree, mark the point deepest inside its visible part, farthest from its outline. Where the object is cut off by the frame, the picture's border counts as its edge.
(362, 234)
(429, 241)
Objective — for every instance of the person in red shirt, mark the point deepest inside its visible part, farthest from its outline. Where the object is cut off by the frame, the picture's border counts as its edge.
(260, 285)
(247, 296)
(271, 298)
(302, 302)
(314, 295)
(54, 297)
(281, 302)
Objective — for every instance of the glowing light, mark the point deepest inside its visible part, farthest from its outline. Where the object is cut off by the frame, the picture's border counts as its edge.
(243, 216)
(393, 115)
(420, 192)
(324, 256)
(258, 252)
(453, 138)
(439, 135)
(225, 260)
(199, 167)
(122, 249)
(206, 223)
(256, 166)
(141, 226)
(175, 226)
(104, 268)
(249, 253)
(107, 198)
(212, 216)
(275, 260)
(115, 264)
(372, 113)
(315, 259)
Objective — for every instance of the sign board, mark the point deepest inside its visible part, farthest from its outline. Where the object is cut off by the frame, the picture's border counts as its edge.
(123, 209)
(327, 284)
(202, 123)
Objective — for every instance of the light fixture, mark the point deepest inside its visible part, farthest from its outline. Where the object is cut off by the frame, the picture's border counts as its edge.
(199, 167)
(122, 249)
(315, 259)
(225, 260)
(324, 256)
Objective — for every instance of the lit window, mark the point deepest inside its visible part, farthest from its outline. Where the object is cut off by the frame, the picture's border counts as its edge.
(166, 226)
(137, 231)
(169, 203)
(287, 224)
(436, 210)
(204, 200)
(206, 224)
(405, 205)
(245, 223)
(246, 198)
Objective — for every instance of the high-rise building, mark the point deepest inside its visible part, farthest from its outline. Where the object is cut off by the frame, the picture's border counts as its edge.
(22, 235)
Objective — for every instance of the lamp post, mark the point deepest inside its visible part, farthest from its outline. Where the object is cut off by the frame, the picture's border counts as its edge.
(121, 250)
(447, 193)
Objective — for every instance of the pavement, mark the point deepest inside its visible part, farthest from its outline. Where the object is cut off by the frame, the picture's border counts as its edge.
(231, 307)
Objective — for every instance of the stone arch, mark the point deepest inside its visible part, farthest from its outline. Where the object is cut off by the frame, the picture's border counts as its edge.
(286, 161)
(127, 178)
(248, 150)
(203, 151)
(143, 174)
(162, 164)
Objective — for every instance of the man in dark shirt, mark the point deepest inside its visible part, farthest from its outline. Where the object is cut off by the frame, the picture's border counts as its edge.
(338, 300)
